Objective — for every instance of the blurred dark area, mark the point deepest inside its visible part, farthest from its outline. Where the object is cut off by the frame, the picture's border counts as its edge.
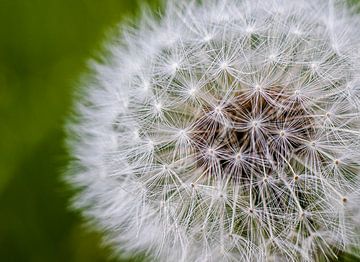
(44, 49)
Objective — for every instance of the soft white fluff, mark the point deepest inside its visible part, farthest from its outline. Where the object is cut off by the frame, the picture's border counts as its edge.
(226, 130)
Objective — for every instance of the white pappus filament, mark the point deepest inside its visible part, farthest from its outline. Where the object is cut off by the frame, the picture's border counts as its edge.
(225, 130)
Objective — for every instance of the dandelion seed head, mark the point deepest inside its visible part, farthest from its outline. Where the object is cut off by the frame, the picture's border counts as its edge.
(225, 131)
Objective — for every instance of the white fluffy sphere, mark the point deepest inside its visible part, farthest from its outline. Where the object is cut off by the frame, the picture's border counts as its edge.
(225, 130)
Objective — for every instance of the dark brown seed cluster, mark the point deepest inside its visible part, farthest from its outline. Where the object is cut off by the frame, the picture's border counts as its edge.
(254, 134)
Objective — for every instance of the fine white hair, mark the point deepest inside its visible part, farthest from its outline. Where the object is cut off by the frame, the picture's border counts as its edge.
(224, 130)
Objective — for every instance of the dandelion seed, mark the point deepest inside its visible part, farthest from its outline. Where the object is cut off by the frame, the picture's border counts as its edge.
(225, 130)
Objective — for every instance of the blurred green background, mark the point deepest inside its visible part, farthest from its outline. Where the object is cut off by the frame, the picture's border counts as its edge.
(44, 48)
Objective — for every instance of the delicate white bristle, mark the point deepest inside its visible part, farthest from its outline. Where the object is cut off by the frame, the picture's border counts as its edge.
(225, 130)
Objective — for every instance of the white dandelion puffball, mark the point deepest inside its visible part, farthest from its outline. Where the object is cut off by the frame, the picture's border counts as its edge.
(225, 130)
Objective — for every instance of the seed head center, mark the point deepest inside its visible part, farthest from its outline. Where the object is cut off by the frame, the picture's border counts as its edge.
(253, 125)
